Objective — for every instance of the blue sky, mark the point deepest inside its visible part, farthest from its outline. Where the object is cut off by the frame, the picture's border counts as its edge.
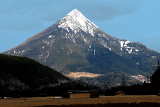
(135, 20)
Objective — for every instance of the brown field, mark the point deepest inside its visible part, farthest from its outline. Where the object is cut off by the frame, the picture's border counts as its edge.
(109, 101)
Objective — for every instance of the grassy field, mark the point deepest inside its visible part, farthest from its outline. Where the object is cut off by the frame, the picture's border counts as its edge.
(109, 101)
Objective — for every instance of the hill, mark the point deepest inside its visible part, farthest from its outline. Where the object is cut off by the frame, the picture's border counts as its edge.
(20, 74)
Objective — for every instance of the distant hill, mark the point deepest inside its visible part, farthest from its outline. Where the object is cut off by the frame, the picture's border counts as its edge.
(18, 74)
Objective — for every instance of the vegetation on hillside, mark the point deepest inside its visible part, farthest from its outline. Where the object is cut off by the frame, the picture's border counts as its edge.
(20, 77)
(20, 74)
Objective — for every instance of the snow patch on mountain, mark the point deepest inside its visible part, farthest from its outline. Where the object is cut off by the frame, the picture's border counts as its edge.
(124, 44)
(17, 52)
(140, 78)
(77, 22)
(50, 36)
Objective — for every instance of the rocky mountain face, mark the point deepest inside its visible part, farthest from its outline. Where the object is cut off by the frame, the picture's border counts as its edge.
(75, 46)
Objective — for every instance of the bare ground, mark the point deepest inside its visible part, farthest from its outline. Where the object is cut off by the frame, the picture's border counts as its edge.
(109, 101)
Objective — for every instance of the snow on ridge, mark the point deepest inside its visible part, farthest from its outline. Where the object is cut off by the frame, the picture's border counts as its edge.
(17, 52)
(76, 21)
(124, 45)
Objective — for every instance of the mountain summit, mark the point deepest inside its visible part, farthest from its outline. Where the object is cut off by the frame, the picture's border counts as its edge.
(77, 22)
(76, 47)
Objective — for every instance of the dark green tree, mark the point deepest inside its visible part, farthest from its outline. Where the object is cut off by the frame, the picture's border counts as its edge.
(155, 78)
(123, 80)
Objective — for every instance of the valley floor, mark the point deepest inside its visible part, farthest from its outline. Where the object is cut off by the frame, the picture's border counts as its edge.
(107, 101)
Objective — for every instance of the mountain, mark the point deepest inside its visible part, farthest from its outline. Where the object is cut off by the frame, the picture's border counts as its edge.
(78, 48)
(19, 74)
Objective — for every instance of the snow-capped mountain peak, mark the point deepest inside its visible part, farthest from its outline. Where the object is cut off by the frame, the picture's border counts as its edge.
(74, 43)
(77, 22)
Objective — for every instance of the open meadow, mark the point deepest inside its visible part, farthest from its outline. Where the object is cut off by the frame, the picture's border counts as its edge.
(107, 101)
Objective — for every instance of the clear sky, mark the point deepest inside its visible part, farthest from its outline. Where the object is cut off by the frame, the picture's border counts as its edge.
(135, 20)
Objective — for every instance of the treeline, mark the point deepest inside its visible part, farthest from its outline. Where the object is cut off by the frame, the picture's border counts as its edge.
(59, 90)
